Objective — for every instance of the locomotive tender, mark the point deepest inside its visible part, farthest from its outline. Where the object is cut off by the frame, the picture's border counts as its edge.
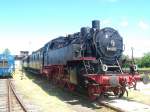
(87, 60)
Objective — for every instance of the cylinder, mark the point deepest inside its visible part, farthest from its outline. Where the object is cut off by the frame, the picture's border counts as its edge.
(84, 31)
(96, 24)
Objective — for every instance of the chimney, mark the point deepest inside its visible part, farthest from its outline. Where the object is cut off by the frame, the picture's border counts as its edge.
(96, 24)
(84, 31)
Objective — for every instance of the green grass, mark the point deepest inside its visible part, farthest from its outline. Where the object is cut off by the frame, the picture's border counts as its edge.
(139, 96)
(51, 98)
(40, 93)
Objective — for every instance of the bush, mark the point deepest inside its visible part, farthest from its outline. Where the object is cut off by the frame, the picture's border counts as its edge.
(144, 61)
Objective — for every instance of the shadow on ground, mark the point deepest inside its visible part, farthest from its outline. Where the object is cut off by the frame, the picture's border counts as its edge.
(62, 94)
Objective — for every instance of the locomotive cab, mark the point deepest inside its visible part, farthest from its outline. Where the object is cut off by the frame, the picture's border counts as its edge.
(78, 70)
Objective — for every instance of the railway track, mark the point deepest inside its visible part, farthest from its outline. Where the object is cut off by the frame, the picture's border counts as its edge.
(118, 104)
(10, 101)
(127, 105)
(122, 105)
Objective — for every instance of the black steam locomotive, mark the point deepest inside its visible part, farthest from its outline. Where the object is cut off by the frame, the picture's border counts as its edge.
(89, 60)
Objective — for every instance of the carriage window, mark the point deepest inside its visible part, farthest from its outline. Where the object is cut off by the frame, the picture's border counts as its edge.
(3, 63)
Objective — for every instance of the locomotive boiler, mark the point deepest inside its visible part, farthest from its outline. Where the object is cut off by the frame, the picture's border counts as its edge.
(87, 60)
(105, 44)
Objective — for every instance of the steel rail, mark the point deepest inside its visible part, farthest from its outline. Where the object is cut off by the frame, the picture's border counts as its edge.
(10, 88)
(9, 98)
(111, 107)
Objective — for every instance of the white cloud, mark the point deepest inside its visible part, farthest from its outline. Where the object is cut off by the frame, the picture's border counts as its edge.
(143, 25)
(15, 45)
(124, 23)
(140, 45)
(106, 22)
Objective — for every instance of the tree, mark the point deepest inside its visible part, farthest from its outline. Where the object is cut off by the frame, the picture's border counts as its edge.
(6, 52)
(145, 60)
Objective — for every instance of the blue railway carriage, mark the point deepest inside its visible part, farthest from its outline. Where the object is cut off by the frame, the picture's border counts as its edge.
(7, 65)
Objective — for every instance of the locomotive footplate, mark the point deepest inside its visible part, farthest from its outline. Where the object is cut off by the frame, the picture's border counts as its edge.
(114, 83)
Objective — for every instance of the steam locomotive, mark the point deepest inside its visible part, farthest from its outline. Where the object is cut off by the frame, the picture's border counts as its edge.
(88, 60)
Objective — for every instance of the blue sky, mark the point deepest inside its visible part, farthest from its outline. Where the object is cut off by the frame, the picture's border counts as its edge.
(28, 24)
